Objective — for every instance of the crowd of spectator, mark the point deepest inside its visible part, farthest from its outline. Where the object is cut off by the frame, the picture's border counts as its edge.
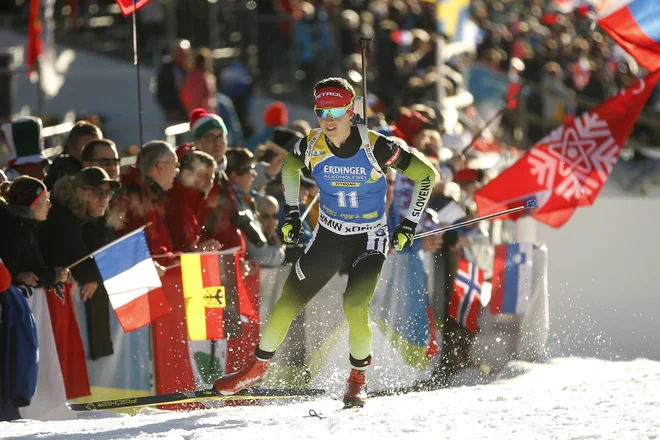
(223, 189)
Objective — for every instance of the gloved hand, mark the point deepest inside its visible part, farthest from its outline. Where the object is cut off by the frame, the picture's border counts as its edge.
(404, 235)
(292, 227)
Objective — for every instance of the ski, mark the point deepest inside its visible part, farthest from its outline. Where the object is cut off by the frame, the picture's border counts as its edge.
(194, 396)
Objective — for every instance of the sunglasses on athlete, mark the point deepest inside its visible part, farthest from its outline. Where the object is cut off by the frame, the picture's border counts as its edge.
(334, 113)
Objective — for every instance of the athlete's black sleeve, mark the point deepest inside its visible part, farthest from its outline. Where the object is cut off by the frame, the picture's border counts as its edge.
(390, 153)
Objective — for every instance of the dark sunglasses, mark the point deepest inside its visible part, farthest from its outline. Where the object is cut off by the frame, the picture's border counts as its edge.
(270, 216)
(106, 162)
(100, 192)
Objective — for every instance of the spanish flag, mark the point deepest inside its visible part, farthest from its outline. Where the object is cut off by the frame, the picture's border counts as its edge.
(211, 288)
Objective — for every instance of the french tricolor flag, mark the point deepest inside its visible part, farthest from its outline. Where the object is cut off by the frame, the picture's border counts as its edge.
(512, 278)
(131, 280)
(635, 26)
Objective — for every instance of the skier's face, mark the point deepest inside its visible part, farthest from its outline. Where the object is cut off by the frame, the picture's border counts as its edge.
(337, 129)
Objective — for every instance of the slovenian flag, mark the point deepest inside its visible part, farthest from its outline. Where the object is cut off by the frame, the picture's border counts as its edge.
(131, 280)
(512, 278)
(635, 26)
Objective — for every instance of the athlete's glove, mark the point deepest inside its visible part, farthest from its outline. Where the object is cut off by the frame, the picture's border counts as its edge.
(404, 235)
(292, 227)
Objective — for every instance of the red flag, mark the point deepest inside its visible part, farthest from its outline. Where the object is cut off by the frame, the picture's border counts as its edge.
(70, 350)
(129, 6)
(568, 167)
(34, 42)
(635, 26)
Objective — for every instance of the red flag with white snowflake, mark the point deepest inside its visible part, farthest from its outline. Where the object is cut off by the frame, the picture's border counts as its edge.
(128, 7)
(569, 167)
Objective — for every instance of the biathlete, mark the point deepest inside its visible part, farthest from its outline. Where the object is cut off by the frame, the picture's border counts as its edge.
(349, 163)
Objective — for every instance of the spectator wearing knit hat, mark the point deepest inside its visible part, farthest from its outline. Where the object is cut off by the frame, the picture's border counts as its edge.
(27, 204)
(25, 139)
(276, 115)
(209, 135)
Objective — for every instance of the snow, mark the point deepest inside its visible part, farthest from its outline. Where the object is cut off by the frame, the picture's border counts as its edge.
(566, 398)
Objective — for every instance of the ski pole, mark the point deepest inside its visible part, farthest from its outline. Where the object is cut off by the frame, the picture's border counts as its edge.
(530, 204)
(365, 46)
(311, 205)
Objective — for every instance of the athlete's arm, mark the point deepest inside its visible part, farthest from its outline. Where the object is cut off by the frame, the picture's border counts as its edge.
(424, 175)
(414, 166)
(291, 166)
(293, 163)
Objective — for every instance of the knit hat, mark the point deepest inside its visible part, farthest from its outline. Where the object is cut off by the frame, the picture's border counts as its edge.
(25, 140)
(276, 115)
(26, 191)
(202, 121)
(410, 123)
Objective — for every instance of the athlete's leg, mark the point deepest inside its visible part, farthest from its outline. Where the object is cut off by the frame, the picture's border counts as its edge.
(321, 261)
(363, 276)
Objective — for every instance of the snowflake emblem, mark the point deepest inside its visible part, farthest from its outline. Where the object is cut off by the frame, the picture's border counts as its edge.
(575, 160)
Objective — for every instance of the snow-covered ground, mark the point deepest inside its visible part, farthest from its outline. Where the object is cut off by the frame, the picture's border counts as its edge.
(567, 398)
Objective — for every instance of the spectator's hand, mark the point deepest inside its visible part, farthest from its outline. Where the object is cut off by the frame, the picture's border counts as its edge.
(209, 245)
(292, 227)
(160, 269)
(432, 242)
(27, 278)
(458, 163)
(63, 274)
(88, 290)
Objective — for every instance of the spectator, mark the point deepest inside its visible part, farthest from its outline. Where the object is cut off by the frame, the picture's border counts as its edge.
(210, 136)
(142, 200)
(25, 139)
(78, 201)
(101, 153)
(241, 173)
(171, 77)
(71, 162)
(199, 90)
(185, 201)
(27, 205)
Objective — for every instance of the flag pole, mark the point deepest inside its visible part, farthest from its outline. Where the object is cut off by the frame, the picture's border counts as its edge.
(530, 204)
(136, 61)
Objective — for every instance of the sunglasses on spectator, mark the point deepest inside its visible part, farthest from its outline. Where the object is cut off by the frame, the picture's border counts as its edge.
(106, 162)
(245, 170)
(100, 192)
(334, 113)
(274, 216)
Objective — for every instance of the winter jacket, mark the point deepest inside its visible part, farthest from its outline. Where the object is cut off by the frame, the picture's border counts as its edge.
(18, 351)
(65, 237)
(216, 216)
(61, 235)
(183, 207)
(138, 203)
(19, 248)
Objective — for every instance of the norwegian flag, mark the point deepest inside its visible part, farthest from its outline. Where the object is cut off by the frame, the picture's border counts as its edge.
(568, 167)
(128, 7)
(465, 301)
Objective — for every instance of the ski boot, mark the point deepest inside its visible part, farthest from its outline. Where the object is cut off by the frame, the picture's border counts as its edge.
(356, 385)
(245, 378)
